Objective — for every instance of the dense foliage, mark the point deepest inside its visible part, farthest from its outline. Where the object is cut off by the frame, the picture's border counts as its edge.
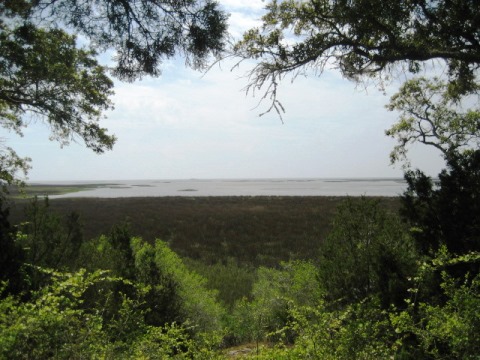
(118, 296)
(367, 252)
(371, 292)
(11, 257)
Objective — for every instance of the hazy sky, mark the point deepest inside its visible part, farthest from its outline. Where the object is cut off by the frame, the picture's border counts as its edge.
(189, 125)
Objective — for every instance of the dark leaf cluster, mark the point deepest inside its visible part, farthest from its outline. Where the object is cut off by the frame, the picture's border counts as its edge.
(364, 38)
(446, 211)
(46, 76)
(142, 33)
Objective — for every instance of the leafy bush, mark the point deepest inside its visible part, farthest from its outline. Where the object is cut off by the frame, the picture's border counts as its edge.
(450, 329)
(447, 212)
(359, 331)
(368, 252)
(11, 254)
(197, 305)
(53, 324)
(50, 240)
(233, 281)
(417, 330)
(56, 323)
(172, 342)
(274, 293)
(172, 292)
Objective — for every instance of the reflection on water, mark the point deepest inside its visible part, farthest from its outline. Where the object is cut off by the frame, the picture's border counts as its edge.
(243, 187)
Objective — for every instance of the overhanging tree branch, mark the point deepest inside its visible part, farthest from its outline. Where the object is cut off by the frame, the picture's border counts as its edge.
(364, 43)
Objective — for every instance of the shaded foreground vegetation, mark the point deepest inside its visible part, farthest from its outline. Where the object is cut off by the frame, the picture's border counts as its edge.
(320, 278)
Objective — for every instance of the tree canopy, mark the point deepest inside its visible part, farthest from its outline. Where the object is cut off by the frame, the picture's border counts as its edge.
(49, 74)
(431, 115)
(142, 32)
(363, 38)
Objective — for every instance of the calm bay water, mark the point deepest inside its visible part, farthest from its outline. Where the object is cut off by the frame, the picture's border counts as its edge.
(264, 187)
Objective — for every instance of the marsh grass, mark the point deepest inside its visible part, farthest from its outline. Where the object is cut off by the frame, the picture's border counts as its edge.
(255, 231)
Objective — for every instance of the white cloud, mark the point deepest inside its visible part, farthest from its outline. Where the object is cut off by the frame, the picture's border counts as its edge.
(240, 22)
(244, 5)
(244, 15)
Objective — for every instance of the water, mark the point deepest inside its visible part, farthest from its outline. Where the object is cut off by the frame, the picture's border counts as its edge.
(244, 187)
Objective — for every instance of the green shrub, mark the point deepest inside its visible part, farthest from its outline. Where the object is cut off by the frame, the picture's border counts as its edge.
(360, 331)
(53, 324)
(48, 239)
(231, 280)
(57, 323)
(171, 342)
(368, 252)
(197, 305)
(450, 329)
(172, 292)
(274, 293)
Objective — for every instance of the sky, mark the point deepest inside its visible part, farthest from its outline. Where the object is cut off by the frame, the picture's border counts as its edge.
(190, 125)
